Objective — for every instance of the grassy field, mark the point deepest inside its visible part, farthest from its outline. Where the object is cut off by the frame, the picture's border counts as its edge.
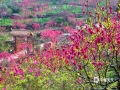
(42, 20)
(68, 8)
(5, 22)
(76, 10)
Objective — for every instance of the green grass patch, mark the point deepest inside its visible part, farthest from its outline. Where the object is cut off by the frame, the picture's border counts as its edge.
(52, 12)
(76, 10)
(5, 22)
(42, 20)
(66, 7)
(59, 9)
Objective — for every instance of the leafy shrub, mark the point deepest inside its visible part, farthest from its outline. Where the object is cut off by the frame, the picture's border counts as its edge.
(60, 20)
(3, 46)
(14, 8)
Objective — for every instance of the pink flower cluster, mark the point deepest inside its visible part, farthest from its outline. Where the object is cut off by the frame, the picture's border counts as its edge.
(98, 65)
(36, 26)
(19, 25)
(4, 54)
(51, 34)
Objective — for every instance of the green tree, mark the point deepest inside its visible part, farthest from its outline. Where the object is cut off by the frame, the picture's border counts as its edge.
(3, 46)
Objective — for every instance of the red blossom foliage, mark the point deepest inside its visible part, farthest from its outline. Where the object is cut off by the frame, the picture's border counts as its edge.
(25, 3)
(4, 55)
(36, 26)
(19, 25)
(51, 34)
